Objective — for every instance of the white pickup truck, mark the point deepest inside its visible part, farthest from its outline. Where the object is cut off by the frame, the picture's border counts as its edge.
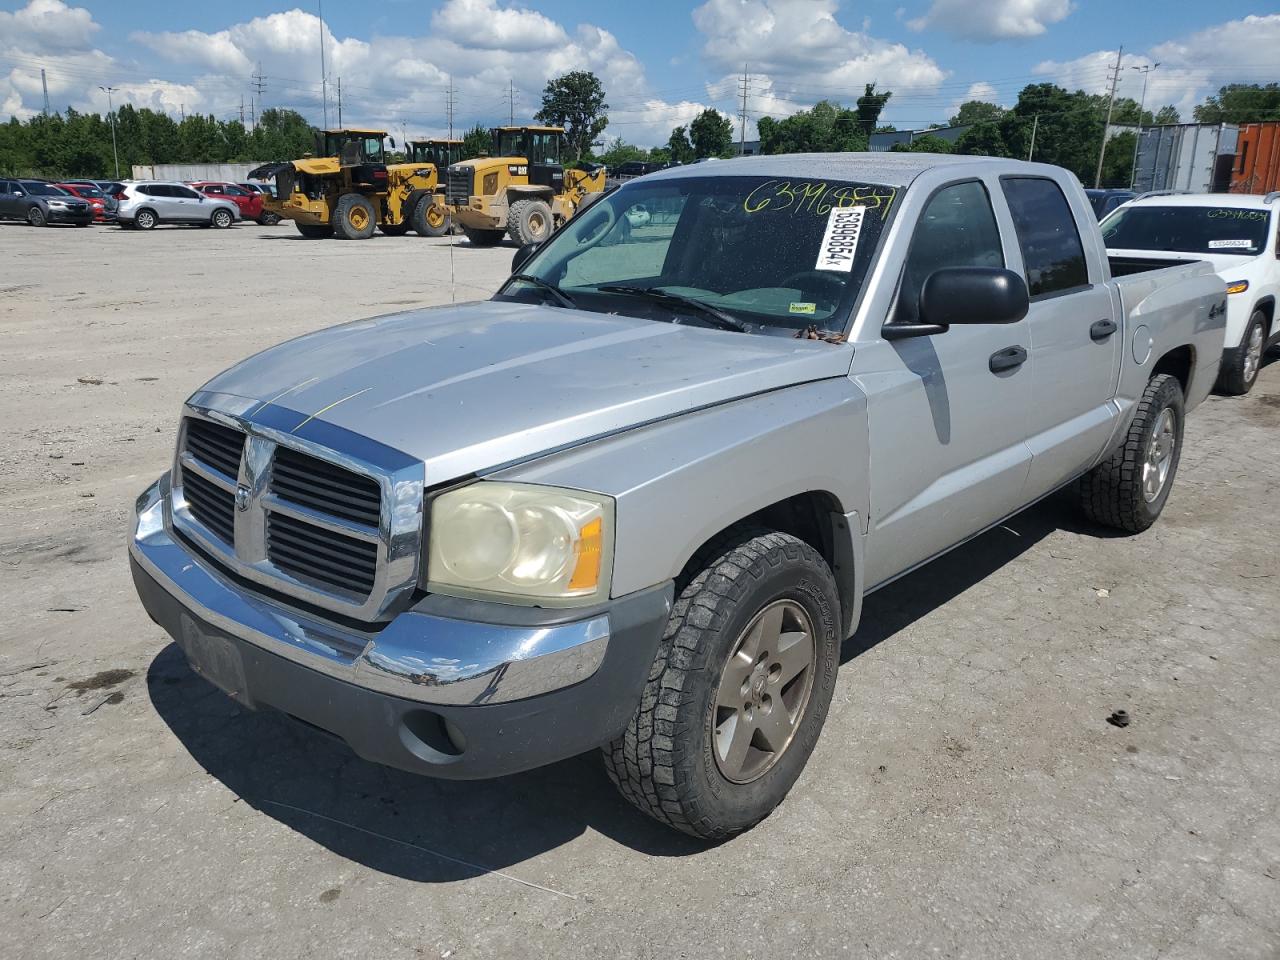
(1240, 235)
(634, 501)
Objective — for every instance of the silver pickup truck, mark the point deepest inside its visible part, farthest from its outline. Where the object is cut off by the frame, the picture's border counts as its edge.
(634, 501)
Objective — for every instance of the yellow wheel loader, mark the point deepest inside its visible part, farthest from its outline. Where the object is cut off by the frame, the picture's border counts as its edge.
(428, 213)
(523, 191)
(348, 190)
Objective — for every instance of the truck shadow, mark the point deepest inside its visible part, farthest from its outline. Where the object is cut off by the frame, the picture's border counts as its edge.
(437, 831)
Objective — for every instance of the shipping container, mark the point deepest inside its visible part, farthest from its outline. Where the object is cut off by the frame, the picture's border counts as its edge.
(1196, 157)
(1257, 166)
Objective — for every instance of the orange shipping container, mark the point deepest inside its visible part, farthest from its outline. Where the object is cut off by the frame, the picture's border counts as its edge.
(1257, 166)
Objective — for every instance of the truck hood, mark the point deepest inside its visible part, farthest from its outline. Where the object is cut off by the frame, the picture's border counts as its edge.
(470, 387)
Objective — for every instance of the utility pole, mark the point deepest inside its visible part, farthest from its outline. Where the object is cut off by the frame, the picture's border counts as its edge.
(1035, 125)
(242, 109)
(111, 115)
(742, 117)
(1106, 129)
(511, 103)
(324, 76)
(259, 85)
(1142, 108)
(182, 112)
(339, 103)
(449, 102)
(45, 84)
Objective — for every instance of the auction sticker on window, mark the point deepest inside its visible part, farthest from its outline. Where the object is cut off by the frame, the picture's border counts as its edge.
(1230, 244)
(840, 239)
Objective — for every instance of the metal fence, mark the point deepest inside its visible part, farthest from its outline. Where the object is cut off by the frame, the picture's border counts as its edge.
(233, 172)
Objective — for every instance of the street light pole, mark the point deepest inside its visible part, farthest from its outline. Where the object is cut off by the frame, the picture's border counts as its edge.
(1142, 106)
(111, 115)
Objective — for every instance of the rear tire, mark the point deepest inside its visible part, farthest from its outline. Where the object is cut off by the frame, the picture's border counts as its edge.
(483, 238)
(757, 626)
(145, 219)
(1129, 489)
(314, 231)
(530, 221)
(354, 218)
(221, 219)
(1240, 365)
(429, 218)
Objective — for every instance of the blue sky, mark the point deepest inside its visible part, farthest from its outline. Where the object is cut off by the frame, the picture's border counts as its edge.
(662, 61)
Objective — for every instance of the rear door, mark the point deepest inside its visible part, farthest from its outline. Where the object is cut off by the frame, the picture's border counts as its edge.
(947, 432)
(1076, 334)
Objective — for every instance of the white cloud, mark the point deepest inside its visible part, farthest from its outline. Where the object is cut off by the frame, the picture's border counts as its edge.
(994, 20)
(485, 25)
(48, 26)
(1190, 68)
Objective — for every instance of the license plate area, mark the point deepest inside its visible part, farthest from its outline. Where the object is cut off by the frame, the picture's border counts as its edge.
(215, 658)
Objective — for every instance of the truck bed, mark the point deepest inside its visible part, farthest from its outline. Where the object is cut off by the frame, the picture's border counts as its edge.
(1125, 266)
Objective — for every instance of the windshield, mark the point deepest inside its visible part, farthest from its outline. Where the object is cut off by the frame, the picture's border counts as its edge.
(1232, 230)
(43, 189)
(534, 146)
(92, 192)
(777, 255)
(351, 149)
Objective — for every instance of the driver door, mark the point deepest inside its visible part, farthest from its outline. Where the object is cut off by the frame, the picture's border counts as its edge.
(947, 429)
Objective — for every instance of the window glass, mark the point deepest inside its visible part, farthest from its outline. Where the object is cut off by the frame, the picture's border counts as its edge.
(184, 193)
(1051, 248)
(232, 191)
(38, 189)
(957, 229)
(777, 254)
(1187, 229)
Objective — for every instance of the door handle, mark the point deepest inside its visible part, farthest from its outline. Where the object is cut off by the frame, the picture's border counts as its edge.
(1102, 329)
(1007, 359)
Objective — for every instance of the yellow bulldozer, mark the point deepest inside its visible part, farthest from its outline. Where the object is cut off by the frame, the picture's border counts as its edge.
(523, 191)
(348, 189)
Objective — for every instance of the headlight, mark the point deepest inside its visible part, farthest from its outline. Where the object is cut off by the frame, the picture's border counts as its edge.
(1237, 286)
(521, 542)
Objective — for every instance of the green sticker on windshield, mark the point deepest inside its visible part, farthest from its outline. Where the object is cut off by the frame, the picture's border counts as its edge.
(803, 307)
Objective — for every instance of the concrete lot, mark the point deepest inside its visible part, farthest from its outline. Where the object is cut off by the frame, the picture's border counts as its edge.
(967, 798)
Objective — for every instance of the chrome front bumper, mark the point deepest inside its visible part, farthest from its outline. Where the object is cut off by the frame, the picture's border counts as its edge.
(416, 656)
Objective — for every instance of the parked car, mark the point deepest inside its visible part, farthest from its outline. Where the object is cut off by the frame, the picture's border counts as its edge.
(638, 215)
(41, 204)
(1238, 234)
(145, 204)
(94, 197)
(1104, 201)
(107, 189)
(249, 201)
(642, 510)
(266, 189)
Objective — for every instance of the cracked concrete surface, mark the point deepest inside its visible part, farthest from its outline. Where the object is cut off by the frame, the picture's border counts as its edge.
(967, 798)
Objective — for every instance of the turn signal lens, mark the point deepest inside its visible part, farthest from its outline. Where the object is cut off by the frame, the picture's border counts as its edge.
(1237, 286)
(586, 572)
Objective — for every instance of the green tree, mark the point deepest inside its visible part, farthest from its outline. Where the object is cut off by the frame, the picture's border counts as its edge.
(619, 152)
(825, 128)
(678, 146)
(1241, 103)
(870, 104)
(575, 101)
(977, 111)
(925, 144)
(476, 142)
(984, 140)
(711, 134)
(1168, 114)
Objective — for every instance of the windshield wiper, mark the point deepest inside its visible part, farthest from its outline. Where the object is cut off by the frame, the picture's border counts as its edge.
(547, 285)
(717, 316)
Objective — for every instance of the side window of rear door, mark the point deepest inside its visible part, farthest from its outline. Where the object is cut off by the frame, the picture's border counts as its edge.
(956, 229)
(1051, 249)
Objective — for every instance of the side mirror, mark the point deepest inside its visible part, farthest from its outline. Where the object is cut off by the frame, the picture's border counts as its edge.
(522, 255)
(965, 295)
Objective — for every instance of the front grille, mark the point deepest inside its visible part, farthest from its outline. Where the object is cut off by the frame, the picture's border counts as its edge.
(324, 487)
(319, 555)
(458, 189)
(215, 446)
(210, 504)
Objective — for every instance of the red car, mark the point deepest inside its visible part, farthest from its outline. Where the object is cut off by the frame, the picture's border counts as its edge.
(93, 196)
(249, 202)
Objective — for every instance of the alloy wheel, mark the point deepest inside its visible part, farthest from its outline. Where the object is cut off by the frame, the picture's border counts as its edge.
(1159, 456)
(1253, 353)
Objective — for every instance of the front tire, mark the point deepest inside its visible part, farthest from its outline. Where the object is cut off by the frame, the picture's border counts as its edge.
(739, 688)
(36, 217)
(314, 231)
(430, 219)
(354, 218)
(530, 221)
(1129, 489)
(1240, 365)
(483, 238)
(221, 219)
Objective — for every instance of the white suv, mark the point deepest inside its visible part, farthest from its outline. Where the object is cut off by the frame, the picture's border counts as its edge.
(1237, 234)
(147, 203)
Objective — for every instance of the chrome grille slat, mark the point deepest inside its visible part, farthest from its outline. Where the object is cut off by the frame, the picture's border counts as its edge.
(312, 483)
(210, 504)
(291, 551)
(299, 535)
(215, 445)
